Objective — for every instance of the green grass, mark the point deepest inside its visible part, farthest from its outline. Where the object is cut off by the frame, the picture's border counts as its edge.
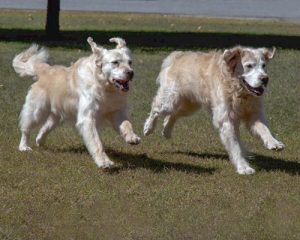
(184, 188)
(35, 20)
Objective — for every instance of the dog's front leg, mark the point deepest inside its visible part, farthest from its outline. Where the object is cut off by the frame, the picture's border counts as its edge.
(257, 125)
(121, 123)
(86, 124)
(229, 134)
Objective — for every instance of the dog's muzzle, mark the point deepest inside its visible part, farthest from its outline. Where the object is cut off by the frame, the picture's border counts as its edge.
(123, 84)
(256, 91)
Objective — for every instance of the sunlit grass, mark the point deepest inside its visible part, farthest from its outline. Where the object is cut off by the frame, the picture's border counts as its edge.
(184, 188)
(94, 21)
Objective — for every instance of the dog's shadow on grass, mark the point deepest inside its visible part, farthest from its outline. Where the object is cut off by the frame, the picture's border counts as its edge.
(135, 161)
(261, 162)
(127, 161)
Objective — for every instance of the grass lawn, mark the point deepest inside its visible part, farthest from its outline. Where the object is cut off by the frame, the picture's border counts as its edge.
(184, 188)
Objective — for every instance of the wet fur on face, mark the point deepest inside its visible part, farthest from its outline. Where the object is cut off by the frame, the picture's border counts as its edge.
(90, 92)
(230, 84)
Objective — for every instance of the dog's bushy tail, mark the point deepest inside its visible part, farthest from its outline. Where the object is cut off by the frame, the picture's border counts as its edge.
(24, 63)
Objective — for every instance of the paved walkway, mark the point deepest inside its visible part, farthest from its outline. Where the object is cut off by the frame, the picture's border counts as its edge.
(279, 9)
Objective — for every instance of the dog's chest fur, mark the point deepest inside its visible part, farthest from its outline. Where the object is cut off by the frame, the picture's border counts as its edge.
(242, 107)
(103, 103)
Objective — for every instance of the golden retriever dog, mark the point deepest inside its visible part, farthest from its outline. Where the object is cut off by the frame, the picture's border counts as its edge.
(90, 92)
(230, 84)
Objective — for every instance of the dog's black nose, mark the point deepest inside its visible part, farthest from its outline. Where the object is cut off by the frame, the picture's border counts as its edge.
(265, 80)
(129, 73)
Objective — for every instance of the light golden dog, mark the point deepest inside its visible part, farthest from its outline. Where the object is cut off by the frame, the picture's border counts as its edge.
(90, 92)
(230, 84)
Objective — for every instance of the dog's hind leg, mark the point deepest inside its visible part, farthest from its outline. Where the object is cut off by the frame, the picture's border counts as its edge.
(165, 103)
(49, 125)
(34, 111)
(186, 108)
(168, 125)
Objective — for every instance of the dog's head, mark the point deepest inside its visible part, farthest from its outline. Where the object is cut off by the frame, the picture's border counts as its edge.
(249, 66)
(114, 65)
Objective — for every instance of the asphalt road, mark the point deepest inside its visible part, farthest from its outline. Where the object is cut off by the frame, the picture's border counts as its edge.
(279, 9)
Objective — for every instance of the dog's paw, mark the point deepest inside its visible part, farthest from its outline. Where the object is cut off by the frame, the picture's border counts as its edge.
(39, 141)
(24, 148)
(245, 170)
(133, 139)
(104, 162)
(274, 145)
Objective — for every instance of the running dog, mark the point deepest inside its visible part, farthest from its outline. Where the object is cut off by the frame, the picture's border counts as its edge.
(90, 92)
(230, 84)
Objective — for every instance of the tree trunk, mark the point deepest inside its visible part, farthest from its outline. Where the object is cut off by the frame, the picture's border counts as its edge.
(52, 23)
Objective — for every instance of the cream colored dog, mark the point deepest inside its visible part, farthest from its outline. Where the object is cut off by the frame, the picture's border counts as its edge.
(90, 92)
(230, 84)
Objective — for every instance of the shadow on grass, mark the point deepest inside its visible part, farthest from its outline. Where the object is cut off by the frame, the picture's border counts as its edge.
(266, 163)
(135, 161)
(157, 40)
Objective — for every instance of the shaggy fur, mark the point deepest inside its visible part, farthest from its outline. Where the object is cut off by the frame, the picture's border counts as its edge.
(90, 92)
(230, 84)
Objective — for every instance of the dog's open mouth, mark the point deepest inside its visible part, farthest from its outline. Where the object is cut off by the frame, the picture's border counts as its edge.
(258, 91)
(122, 84)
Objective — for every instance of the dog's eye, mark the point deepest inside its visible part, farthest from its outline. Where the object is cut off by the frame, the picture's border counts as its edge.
(130, 63)
(116, 63)
(249, 66)
(263, 65)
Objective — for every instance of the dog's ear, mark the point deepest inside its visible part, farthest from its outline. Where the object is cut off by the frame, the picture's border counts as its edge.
(95, 49)
(232, 57)
(119, 41)
(268, 54)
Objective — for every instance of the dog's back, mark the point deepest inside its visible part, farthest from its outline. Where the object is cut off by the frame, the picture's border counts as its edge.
(55, 85)
(194, 75)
